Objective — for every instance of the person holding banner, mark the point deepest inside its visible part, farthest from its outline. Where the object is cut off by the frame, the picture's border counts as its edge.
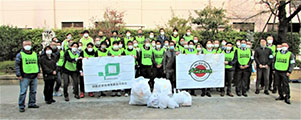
(70, 68)
(230, 61)
(115, 51)
(208, 50)
(199, 48)
(86, 53)
(147, 60)
(158, 53)
(169, 64)
(244, 63)
(102, 51)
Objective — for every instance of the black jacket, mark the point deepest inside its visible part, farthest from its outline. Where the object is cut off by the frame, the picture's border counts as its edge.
(48, 65)
(263, 56)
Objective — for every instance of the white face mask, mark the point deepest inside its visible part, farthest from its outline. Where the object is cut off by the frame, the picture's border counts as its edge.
(224, 43)
(249, 46)
(238, 43)
(69, 37)
(115, 47)
(195, 41)
(74, 49)
(199, 49)
(182, 43)
(97, 43)
(166, 44)
(103, 46)
(120, 45)
(151, 36)
(86, 35)
(158, 46)
(284, 48)
(80, 48)
(90, 49)
(190, 46)
(175, 33)
(162, 33)
(270, 41)
(128, 34)
(48, 52)
(147, 44)
(209, 45)
(185, 46)
(135, 44)
(216, 45)
(228, 48)
(58, 47)
(278, 49)
(188, 33)
(130, 47)
(27, 47)
(153, 44)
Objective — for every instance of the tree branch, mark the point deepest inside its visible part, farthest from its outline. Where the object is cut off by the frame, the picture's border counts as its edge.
(269, 5)
(294, 13)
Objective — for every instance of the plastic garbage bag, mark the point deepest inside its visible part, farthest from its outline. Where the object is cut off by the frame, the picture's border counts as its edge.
(182, 98)
(140, 92)
(162, 86)
(153, 101)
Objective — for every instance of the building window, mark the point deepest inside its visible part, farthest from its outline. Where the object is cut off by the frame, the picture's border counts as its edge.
(296, 27)
(242, 26)
(78, 25)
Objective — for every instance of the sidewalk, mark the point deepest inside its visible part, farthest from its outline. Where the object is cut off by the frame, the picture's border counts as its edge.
(255, 106)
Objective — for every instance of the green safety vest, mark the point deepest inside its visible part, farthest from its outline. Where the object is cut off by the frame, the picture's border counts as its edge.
(219, 50)
(193, 52)
(61, 59)
(85, 42)
(243, 56)
(175, 38)
(158, 56)
(30, 62)
(103, 39)
(282, 61)
(115, 53)
(205, 51)
(273, 48)
(100, 53)
(146, 56)
(140, 41)
(87, 55)
(229, 57)
(112, 40)
(71, 66)
(65, 45)
(188, 38)
(126, 40)
(133, 52)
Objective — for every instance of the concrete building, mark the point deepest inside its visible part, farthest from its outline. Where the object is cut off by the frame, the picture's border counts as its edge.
(138, 13)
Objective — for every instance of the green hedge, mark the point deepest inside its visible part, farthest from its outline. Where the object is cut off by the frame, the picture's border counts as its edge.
(7, 67)
(12, 37)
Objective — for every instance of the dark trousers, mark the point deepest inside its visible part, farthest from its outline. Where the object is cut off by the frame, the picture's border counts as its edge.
(249, 80)
(262, 73)
(171, 75)
(241, 81)
(48, 89)
(146, 72)
(75, 79)
(158, 72)
(282, 81)
(272, 83)
(81, 84)
(58, 81)
(228, 79)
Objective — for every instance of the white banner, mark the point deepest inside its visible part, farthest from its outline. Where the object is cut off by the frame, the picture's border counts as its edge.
(200, 71)
(108, 73)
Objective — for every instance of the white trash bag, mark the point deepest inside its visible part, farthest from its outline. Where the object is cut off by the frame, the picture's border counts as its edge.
(162, 86)
(140, 92)
(182, 98)
(153, 101)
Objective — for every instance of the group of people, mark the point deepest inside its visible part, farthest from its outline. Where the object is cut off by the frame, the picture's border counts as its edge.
(155, 57)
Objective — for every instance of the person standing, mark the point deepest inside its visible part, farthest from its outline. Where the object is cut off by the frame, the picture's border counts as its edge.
(169, 64)
(244, 62)
(27, 71)
(48, 65)
(70, 68)
(140, 38)
(86, 39)
(158, 53)
(162, 37)
(284, 64)
(147, 60)
(230, 61)
(188, 37)
(175, 36)
(263, 57)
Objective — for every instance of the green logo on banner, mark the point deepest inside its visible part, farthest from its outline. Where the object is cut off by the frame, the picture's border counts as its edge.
(107, 70)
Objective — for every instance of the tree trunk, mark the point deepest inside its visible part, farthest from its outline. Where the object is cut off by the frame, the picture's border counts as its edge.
(283, 23)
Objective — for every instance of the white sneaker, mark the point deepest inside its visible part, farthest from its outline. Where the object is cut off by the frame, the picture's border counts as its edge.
(126, 95)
